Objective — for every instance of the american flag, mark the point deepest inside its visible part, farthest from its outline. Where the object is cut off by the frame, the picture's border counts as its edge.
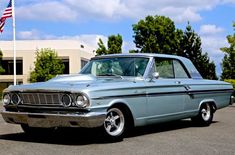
(6, 14)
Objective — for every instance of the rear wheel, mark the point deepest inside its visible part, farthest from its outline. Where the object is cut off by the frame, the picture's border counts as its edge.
(115, 123)
(205, 116)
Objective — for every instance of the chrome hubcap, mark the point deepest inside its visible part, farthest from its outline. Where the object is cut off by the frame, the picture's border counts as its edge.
(206, 112)
(114, 122)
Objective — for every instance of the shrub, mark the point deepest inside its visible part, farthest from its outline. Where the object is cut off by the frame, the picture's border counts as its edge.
(232, 81)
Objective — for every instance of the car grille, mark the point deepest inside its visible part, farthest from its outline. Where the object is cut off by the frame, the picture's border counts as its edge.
(41, 98)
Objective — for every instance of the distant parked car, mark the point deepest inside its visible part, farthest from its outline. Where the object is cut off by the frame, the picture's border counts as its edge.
(117, 92)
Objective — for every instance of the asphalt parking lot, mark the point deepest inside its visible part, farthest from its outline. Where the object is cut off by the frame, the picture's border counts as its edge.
(180, 137)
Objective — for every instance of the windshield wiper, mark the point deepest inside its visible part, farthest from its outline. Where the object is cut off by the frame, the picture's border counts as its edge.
(111, 74)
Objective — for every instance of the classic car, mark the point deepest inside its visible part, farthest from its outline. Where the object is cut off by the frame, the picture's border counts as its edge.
(117, 92)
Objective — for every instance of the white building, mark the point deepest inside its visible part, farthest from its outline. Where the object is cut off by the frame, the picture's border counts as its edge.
(73, 54)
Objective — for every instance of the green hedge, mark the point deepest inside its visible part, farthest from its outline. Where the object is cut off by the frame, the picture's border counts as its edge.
(232, 81)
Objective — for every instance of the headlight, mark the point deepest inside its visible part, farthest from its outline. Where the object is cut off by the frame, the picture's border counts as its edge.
(66, 100)
(6, 99)
(82, 101)
(15, 98)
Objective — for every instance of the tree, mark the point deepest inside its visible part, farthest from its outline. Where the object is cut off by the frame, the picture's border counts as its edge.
(191, 49)
(133, 51)
(101, 48)
(114, 45)
(156, 34)
(47, 65)
(1, 69)
(228, 63)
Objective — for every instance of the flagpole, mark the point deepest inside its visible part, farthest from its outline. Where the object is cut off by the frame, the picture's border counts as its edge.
(14, 38)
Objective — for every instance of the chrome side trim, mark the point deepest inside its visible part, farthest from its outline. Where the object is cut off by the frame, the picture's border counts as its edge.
(46, 120)
(196, 92)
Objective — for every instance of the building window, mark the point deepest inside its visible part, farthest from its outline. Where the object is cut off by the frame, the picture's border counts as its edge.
(8, 65)
(65, 61)
(83, 62)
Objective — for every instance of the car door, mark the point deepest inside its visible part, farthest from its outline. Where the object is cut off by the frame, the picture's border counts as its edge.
(166, 96)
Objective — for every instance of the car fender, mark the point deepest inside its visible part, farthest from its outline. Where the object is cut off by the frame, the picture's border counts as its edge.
(211, 101)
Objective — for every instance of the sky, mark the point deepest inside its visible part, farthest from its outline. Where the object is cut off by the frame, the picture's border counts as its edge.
(89, 20)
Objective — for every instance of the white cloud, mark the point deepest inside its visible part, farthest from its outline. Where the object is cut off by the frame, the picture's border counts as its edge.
(212, 40)
(126, 46)
(72, 10)
(212, 44)
(34, 35)
(104, 8)
(183, 10)
(180, 15)
(210, 29)
(25, 35)
(52, 11)
(228, 1)
(87, 39)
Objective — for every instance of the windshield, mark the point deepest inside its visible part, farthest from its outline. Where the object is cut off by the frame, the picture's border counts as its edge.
(121, 66)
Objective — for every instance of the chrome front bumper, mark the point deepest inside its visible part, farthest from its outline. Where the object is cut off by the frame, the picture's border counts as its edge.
(45, 120)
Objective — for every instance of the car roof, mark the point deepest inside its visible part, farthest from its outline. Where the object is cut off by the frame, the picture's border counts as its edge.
(140, 55)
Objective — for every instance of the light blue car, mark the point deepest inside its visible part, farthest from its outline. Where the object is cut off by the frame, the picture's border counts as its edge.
(117, 92)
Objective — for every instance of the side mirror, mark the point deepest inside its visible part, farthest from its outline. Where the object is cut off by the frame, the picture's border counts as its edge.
(155, 75)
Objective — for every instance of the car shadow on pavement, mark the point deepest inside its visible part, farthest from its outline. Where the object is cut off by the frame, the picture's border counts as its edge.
(82, 136)
(163, 127)
(61, 136)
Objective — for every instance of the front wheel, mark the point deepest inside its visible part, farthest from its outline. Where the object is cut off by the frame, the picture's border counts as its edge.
(205, 116)
(115, 123)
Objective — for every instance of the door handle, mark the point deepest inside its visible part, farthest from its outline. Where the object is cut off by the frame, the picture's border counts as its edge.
(177, 82)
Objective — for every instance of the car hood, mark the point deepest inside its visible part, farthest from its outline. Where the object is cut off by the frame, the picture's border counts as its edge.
(68, 83)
